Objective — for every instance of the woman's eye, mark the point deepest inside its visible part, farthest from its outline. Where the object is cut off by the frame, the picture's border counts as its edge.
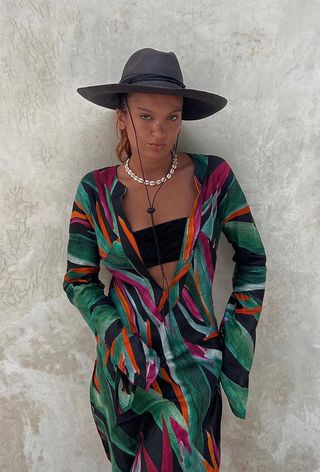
(147, 117)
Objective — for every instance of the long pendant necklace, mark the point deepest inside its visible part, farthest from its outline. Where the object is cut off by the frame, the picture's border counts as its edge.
(160, 182)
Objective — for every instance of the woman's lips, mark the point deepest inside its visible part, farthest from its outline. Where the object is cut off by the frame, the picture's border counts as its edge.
(157, 146)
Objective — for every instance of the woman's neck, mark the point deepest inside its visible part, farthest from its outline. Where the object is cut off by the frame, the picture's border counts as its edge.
(153, 168)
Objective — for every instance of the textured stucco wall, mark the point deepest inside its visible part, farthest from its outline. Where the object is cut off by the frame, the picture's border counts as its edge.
(264, 57)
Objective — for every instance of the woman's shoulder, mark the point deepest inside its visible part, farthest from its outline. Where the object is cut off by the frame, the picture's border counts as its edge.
(207, 159)
(105, 175)
(207, 165)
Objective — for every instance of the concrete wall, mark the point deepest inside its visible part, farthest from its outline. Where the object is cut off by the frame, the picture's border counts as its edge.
(264, 57)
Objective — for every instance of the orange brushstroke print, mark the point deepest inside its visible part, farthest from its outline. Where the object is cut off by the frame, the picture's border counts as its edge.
(126, 308)
(233, 215)
(179, 395)
(129, 236)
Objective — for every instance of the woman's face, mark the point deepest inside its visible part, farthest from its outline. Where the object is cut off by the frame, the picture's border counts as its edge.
(157, 121)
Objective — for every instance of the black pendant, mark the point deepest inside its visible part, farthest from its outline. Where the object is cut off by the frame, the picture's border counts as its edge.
(151, 210)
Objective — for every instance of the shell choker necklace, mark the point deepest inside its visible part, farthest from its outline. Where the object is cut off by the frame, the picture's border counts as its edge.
(140, 180)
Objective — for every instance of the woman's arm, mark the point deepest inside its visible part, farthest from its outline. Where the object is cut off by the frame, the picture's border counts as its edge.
(81, 281)
(86, 292)
(238, 325)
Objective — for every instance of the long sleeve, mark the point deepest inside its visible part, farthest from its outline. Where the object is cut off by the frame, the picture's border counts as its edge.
(238, 325)
(81, 281)
(85, 291)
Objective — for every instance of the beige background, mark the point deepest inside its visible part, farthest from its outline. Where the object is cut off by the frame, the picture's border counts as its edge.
(264, 57)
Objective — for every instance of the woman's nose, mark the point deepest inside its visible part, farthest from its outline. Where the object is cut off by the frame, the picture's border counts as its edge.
(158, 129)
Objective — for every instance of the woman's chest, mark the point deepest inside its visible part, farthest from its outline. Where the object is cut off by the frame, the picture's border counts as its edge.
(171, 201)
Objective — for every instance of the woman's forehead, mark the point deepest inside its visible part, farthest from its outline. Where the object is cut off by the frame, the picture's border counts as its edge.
(154, 100)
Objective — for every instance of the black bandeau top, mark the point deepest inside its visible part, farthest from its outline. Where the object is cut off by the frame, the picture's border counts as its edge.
(170, 238)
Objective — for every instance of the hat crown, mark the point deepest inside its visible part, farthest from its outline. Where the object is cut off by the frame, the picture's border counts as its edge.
(152, 65)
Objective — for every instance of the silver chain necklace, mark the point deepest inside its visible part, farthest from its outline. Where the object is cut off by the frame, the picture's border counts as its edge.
(140, 180)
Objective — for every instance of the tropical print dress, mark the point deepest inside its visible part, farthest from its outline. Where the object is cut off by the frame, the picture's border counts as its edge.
(161, 358)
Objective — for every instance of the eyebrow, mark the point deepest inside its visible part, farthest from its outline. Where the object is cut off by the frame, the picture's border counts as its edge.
(150, 111)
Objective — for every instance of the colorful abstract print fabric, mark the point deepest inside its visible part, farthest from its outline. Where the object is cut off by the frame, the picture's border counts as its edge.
(155, 391)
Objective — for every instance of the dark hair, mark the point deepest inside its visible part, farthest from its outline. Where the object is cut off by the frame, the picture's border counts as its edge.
(123, 148)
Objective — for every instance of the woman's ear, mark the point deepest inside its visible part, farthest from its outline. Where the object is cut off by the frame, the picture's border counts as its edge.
(120, 119)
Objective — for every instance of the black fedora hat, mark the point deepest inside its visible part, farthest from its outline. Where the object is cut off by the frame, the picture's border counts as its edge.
(152, 71)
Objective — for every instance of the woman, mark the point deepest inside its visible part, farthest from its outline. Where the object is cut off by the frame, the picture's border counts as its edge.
(154, 221)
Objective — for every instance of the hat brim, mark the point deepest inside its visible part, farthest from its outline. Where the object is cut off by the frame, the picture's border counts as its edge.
(197, 104)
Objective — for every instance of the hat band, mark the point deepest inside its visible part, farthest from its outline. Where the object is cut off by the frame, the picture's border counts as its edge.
(150, 78)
